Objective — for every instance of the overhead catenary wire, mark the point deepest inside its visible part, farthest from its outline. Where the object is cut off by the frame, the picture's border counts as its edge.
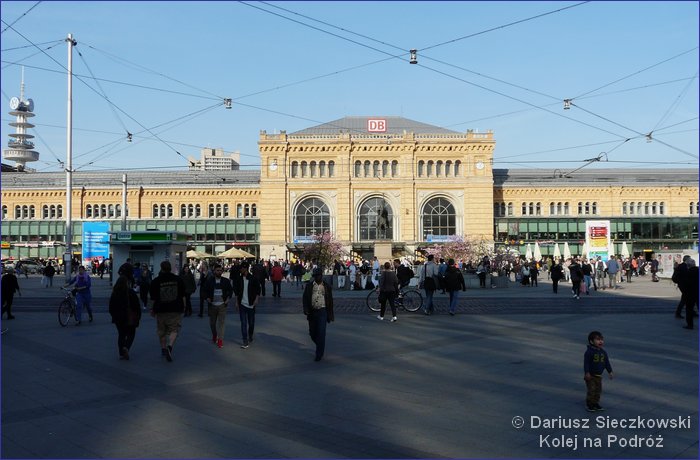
(23, 15)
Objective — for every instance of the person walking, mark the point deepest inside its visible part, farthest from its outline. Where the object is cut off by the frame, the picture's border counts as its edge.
(533, 273)
(260, 273)
(204, 273)
(388, 288)
(557, 274)
(429, 282)
(145, 284)
(454, 282)
(83, 295)
(247, 291)
(613, 268)
(217, 291)
(599, 273)
(49, 273)
(576, 278)
(9, 285)
(691, 292)
(276, 276)
(317, 304)
(125, 309)
(190, 286)
(680, 273)
(168, 296)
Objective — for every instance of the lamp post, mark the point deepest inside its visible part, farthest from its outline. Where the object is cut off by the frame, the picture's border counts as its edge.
(68, 257)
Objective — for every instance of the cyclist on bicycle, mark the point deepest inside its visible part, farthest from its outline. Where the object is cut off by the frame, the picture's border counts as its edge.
(83, 295)
(403, 273)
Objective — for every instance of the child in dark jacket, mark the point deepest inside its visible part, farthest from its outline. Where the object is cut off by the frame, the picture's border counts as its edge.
(595, 361)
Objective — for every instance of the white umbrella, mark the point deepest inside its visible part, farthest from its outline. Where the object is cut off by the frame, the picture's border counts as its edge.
(584, 251)
(528, 252)
(557, 252)
(567, 251)
(192, 254)
(611, 250)
(625, 252)
(538, 252)
(235, 253)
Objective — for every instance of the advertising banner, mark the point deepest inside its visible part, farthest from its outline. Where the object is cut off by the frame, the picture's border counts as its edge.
(598, 238)
(95, 241)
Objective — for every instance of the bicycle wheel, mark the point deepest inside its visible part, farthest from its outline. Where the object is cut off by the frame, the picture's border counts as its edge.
(373, 300)
(65, 311)
(412, 300)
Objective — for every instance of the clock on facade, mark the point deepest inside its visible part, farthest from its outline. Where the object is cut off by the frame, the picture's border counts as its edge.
(479, 165)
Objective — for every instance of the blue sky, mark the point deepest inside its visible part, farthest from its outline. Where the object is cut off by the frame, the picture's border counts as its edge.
(630, 68)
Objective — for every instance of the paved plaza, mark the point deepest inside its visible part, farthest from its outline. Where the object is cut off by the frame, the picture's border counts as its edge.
(503, 378)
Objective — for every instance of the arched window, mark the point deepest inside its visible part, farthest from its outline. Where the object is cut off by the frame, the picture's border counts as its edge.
(439, 218)
(312, 169)
(538, 209)
(217, 210)
(375, 220)
(322, 168)
(358, 168)
(52, 211)
(510, 208)
(646, 208)
(394, 168)
(503, 209)
(304, 169)
(295, 169)
(183, 211)
(331, 169)
(225, 210)
(254, 210)
(197, 211)
(438, 168)
(587, 208)
(103, 210)
(118, 210)
(662, 208)
(155, 211)
(580, 207)
(31, 212)
(311, 217)
(624, 208)
(531, 209)
(110, 210)
(239, 210)
(552, 209)
(523, 209)
(18, 212)
(429, 172)
(496, 210)
(246, 210)
(385, 168)
(448, 168)
(594, 207)
(653, 208)
(4, 212)
(211, 211)
(639, 208)
(421, 165)
(691, 208)
(375, 168)
(458, 164)
(88, 211)
(45, 212)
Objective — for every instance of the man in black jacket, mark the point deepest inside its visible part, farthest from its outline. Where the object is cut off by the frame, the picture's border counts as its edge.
(217, 291)
(317, 302)
(168, 296)
(679, 277)
(247, 290)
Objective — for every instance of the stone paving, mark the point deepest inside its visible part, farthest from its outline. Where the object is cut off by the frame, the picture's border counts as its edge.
(424, 387)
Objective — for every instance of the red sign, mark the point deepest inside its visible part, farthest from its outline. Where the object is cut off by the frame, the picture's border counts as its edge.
(376, 126)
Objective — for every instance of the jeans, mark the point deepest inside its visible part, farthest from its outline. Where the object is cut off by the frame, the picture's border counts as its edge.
(387, 296)
(612, 280)
(247, 323)
(125, 337)
(276, 288)
(317, 330)
(587, 280)
(429, 307)
(82, 301)
(454, 298)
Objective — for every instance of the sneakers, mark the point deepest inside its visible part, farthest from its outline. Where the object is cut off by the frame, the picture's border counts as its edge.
(452, 313)
(577, 297)
(598, 407)
(124, 354)
(245, 345)
(169, 353)
(380, 318)
(590, 408)
(220, 343)
(394, 319)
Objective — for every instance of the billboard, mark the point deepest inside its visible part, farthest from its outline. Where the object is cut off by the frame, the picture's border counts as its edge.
(598, 238)
(95, 241)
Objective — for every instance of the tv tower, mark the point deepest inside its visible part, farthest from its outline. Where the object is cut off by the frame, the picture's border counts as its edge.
(20, 148)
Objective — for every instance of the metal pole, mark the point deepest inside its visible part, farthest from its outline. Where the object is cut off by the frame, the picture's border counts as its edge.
(123, 202)
(68, 258)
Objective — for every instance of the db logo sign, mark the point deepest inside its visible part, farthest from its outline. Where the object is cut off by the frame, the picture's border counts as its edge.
(376, 126)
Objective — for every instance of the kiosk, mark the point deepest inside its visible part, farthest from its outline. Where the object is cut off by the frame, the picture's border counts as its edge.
(150, 247)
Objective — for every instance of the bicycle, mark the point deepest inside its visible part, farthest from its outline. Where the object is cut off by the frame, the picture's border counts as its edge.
(409, 299)
(66, 308)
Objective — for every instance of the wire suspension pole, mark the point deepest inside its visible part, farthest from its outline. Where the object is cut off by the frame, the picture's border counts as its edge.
(68, 256)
